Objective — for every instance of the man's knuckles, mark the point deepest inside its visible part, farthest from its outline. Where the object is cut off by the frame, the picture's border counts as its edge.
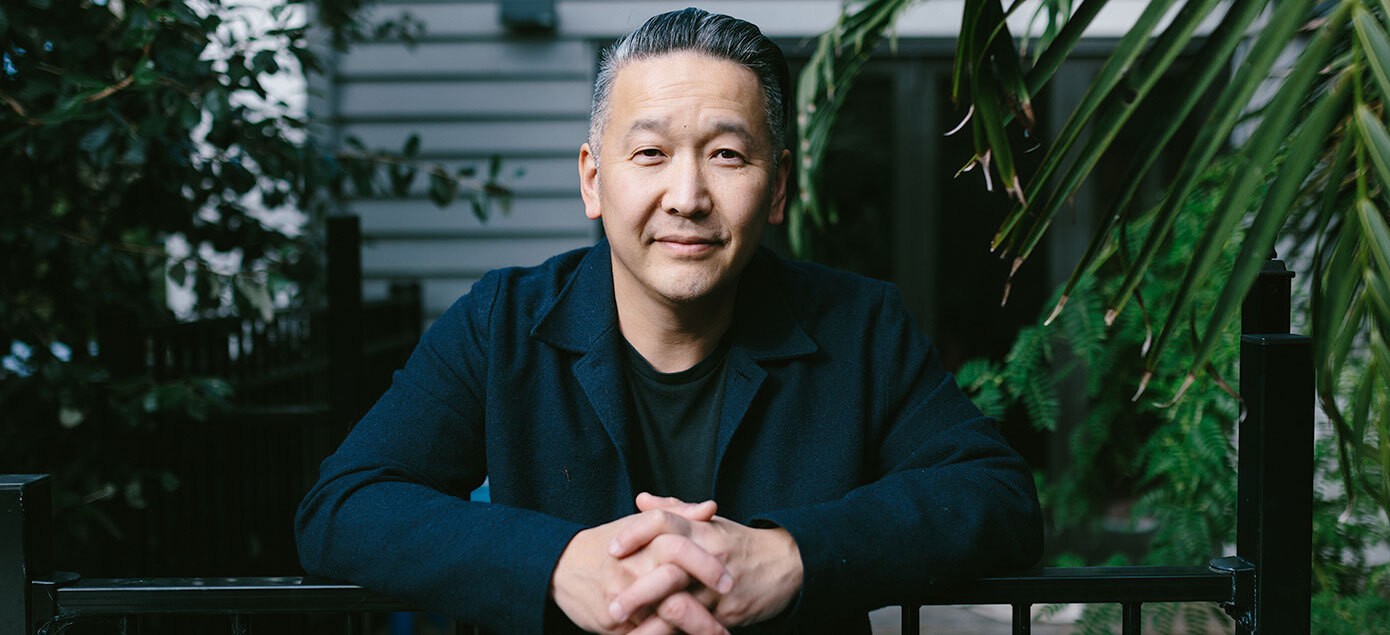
(686, 614)
(672, 578)
(675, 609)
(733, 610)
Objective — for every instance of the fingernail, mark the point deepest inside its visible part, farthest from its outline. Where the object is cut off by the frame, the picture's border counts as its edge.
(616, 610)
(726, 583)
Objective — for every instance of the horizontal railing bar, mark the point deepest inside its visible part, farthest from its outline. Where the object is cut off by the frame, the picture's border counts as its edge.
(134, 596)
(1093, 585)
(130, 596)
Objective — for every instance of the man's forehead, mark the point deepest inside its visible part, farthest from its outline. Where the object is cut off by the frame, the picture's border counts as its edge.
(671, 63)
(651, 89)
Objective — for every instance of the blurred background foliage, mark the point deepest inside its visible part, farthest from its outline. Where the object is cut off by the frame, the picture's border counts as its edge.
(144, 156)
(1292, 153)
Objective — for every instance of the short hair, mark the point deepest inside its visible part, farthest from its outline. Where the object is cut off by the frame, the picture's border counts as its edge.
(712, 34)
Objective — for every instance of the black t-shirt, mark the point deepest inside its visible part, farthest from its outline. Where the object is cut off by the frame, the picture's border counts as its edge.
(676, 421)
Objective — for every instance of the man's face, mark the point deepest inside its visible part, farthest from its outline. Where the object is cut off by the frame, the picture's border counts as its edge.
(686, 181)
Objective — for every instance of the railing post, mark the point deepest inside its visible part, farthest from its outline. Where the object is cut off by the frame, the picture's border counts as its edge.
(26, 551)
(1274, 511)
(345, 358)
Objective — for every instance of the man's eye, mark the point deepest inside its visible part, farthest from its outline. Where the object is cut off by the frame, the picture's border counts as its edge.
(728, 155)
(649, 153)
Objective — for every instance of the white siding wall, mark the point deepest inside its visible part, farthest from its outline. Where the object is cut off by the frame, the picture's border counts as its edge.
(472, 90)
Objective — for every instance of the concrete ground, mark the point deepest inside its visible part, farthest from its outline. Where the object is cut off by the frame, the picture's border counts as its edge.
(972, 620)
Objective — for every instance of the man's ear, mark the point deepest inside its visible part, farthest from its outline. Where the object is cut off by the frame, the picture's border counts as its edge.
(588, 181)
(778, 210)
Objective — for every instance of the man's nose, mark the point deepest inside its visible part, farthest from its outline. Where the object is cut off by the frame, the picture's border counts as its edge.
(687, 192)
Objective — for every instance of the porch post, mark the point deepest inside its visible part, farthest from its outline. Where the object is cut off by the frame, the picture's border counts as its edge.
(26, 549)
(1274, 526)
(345, 357)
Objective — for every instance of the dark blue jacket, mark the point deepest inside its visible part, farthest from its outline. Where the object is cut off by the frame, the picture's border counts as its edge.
(839, 424)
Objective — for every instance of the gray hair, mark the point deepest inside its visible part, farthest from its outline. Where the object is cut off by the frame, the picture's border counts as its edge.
(719, 36)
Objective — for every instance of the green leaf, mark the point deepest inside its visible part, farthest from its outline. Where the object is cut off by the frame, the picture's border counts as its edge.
(1376, 45)
(237, 177)
(1210, 63)
(1378, 292)
(257, 294)
(412, 146)
(1344, 308)
(1377, 235)
(987, 114)
(965, 45)
(1061, 47)
(1126, 51)
(401, 178)
(178, 274)
(1381, 353)
(1376, 139)
(1287, 17)
(361, 174)
(1305, 151)
(1361, 405)
(1329, 206)
(1003, 60)
(1258, 154)
(94, 140)
(443, 188)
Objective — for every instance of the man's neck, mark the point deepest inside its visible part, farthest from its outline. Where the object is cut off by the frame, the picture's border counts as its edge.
(673, 337)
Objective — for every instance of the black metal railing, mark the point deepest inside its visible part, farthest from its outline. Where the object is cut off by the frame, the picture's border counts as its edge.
(1265, 587)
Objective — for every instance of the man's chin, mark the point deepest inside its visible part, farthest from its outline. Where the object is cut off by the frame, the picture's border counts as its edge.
(690, 289)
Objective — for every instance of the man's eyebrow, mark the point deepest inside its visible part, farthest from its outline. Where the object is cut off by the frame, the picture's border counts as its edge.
(736, 128)
(722, 126)
(646, 125)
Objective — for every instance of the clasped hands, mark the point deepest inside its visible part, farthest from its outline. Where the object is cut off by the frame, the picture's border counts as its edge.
(675, 567)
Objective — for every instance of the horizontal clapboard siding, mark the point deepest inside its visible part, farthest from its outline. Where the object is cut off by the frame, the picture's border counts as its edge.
(472, 138)
(541, 216)
(391, 61)
(362, 101)
(471, 91)
(541, 174)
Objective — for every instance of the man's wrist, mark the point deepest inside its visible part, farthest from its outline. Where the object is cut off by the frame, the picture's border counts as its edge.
(789, 556)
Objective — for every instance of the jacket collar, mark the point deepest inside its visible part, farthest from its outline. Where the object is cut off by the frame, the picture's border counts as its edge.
(765, 323)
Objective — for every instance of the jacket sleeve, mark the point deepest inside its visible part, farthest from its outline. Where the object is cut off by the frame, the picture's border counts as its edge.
(391, 511)
(948, 499)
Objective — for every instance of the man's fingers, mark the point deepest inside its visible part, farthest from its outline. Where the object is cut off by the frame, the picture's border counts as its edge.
(683, 612)
(644, 528)
(667, 536)
(703, 510)
(653, 625)
(649, 590)
(694, 560)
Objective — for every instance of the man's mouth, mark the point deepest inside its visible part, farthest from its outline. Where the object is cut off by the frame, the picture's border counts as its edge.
(688, 245)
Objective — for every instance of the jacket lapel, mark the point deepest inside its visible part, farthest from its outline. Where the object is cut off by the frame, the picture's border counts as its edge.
(600, 374)
(765, 328)
(584, 320)
(742, 380)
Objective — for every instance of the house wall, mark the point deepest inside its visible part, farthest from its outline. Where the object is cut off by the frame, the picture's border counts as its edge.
(473, 90)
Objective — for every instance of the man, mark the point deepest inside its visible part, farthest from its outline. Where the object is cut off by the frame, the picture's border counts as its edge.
(683, 433)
